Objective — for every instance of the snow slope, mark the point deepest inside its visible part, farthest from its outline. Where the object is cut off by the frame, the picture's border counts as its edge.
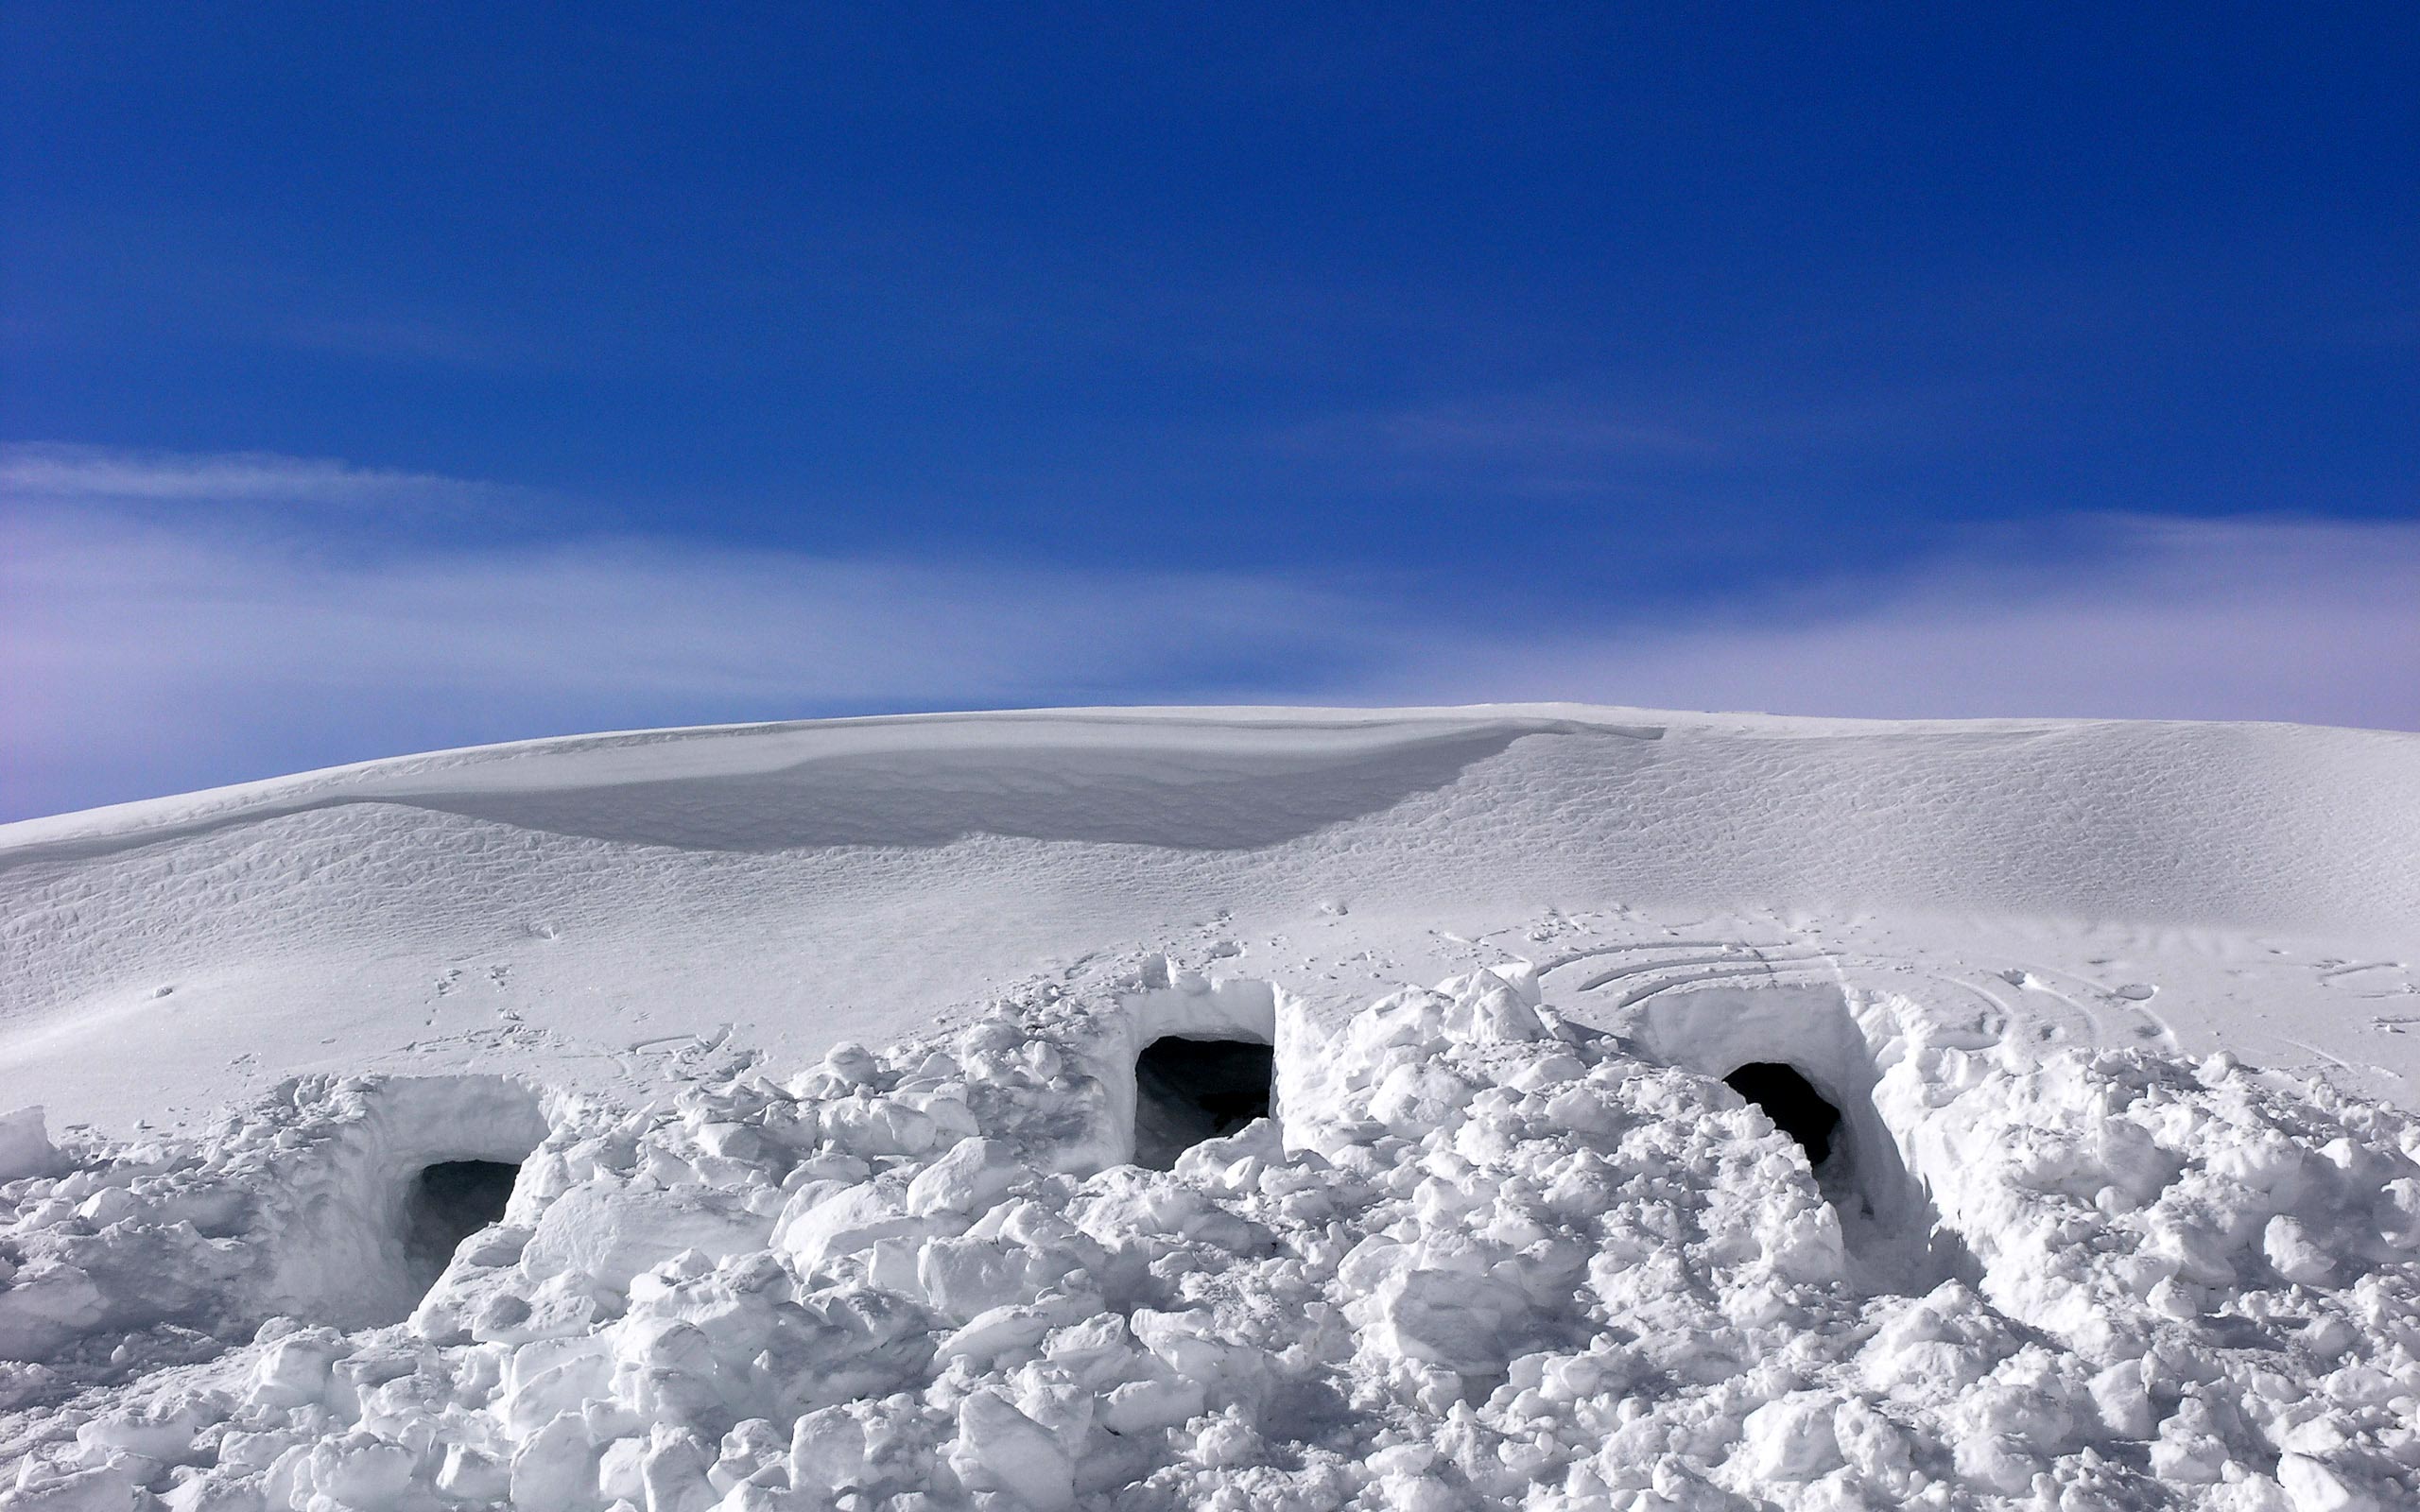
(1504, 1237)
(582, 906)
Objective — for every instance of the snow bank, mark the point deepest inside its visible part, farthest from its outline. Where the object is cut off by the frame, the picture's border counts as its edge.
(1481, 1257)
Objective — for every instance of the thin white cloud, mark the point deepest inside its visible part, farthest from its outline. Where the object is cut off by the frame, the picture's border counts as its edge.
(610, 617)
(2307, 621)
(144, 655)
(145, 650)
(57, 473)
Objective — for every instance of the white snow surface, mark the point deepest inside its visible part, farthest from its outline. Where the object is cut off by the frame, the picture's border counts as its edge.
(2121, 1211)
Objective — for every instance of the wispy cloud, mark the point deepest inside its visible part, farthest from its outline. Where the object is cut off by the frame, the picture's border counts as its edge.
(2118, 617)
(627, 617)
(55, 473)
(147, 650)
(144, 655)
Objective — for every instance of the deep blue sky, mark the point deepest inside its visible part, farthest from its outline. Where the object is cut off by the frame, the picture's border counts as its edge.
(1542, 323)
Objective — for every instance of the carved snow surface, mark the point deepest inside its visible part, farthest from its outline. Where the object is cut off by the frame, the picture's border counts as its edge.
(1480, 1257)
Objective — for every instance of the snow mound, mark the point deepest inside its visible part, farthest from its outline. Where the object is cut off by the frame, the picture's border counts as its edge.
(1477, 1255)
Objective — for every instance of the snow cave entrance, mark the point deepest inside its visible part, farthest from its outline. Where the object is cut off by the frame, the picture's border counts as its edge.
(1187, 1090)
(446, 1203)
(410, 1168)
(1800, 1055)
(1197, 1061)
(1793, 1103)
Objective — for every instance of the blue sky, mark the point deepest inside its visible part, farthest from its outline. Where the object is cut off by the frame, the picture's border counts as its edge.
(386, 377)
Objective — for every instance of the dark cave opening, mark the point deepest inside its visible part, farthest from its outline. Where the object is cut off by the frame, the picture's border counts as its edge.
(1791, 1102)
(449, 1202)
(1188, 1090)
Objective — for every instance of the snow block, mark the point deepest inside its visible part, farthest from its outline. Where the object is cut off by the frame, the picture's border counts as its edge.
(611, 1234)
(1001, 1449)
(25, 1145)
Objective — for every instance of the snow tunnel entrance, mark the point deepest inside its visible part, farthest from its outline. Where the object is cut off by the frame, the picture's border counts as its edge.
(1793, 1103)
(1187, 1090)
(404, 1169)
(447, 1203)
(1803, 1056)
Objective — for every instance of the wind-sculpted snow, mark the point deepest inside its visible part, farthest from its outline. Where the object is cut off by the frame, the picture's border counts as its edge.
(1481, 1257)
(553, 909)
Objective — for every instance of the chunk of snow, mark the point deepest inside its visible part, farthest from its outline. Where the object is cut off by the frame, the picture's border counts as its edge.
(999, 1448)
(610, 1233)
(25, 1145)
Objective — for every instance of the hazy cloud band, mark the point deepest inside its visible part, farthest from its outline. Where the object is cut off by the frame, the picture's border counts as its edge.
(147, 650)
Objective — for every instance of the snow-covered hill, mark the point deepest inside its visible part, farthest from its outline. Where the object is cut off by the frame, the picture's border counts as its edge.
(583, 908)
(1996, 1229)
